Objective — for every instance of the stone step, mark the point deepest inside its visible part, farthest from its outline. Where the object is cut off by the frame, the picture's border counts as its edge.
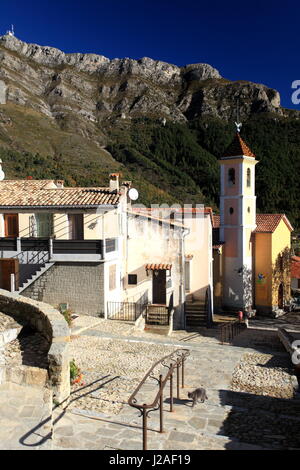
(195, 308)
(42, 269)
(195, 316)
(195, 312)
(158, 329)
(156, 317)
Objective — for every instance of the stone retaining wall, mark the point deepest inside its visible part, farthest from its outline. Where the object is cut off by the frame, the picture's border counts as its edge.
(81, 285)
(51, 324)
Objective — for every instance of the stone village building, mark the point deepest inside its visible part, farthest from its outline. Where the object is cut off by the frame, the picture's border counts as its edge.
(90, 249)
(87, 248)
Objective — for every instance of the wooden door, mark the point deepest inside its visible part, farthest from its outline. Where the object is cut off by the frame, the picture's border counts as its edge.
(9, 266)
(75, 226)
(11, 225)
(159, 287)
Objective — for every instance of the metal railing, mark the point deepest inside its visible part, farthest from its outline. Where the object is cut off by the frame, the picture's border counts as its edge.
(173, 363)
(125, 311)
(229, 330)
(78, 246)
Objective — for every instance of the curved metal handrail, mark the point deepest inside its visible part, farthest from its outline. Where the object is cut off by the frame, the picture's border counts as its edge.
(173, 361)
(180, 356)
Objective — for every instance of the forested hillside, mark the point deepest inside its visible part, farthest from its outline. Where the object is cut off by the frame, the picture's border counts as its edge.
(178, 162)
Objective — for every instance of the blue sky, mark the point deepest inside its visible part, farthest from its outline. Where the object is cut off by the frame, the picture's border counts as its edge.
(256, 41)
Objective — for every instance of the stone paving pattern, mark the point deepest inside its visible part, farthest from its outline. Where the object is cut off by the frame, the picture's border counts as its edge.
(227, 420)
(185, 428)
(26, 420)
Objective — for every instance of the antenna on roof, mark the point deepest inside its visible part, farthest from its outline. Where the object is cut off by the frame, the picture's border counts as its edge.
(237, 123)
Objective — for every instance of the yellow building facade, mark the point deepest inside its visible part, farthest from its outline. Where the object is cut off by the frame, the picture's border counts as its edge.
(272, 243)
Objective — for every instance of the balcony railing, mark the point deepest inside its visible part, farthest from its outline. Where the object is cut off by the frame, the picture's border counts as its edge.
(78, 246)
(58, 249)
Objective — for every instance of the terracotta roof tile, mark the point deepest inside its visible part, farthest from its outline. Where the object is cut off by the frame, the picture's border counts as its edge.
(157, 267)
(237, 148)
(269, 222)
(264, 222)
(38, 193)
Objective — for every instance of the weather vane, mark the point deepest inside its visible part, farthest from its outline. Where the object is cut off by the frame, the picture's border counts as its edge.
(237, 123)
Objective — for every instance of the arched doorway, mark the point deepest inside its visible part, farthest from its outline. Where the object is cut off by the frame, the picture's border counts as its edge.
(280, 296)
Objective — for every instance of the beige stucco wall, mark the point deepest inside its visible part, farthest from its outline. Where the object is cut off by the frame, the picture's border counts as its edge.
(149, 243)
(248, 191)
(95, 224)
(231, 190)
(198, 243)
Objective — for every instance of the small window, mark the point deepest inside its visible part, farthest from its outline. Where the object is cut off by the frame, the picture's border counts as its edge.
(249, 210)
(248, 178)
(231, 210)
(132, 279)
(231, 176)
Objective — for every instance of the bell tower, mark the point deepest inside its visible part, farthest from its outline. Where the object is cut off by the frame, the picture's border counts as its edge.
(237, 221)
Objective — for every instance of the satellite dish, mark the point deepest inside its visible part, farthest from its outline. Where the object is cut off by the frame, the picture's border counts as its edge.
(133, 194)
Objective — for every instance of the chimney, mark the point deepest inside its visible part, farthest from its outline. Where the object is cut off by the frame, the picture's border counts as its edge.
(59, 184)
(114, 182)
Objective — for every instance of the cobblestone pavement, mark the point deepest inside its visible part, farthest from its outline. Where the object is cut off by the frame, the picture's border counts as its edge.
(114, 358)
(185, 428)
(117, 364)
(288, 321)
(25, 418)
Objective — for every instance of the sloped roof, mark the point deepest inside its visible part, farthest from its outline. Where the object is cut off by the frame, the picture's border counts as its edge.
(264, 222)
(270, 222)
(238, 148)
(45, 193)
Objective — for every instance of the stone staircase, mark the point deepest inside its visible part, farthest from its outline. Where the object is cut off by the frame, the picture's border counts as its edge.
(158, 320)
(34, 276)
(195, 313)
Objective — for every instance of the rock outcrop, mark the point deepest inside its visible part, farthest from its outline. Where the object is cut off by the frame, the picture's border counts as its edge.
(93, 88)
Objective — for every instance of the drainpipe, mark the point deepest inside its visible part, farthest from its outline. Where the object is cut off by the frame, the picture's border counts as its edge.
(19, 248)
(185, 232)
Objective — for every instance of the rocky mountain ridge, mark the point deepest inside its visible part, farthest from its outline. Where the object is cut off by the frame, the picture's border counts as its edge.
(80, 91)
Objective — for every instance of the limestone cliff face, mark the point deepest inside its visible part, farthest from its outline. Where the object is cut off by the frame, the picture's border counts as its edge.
(91, 88)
